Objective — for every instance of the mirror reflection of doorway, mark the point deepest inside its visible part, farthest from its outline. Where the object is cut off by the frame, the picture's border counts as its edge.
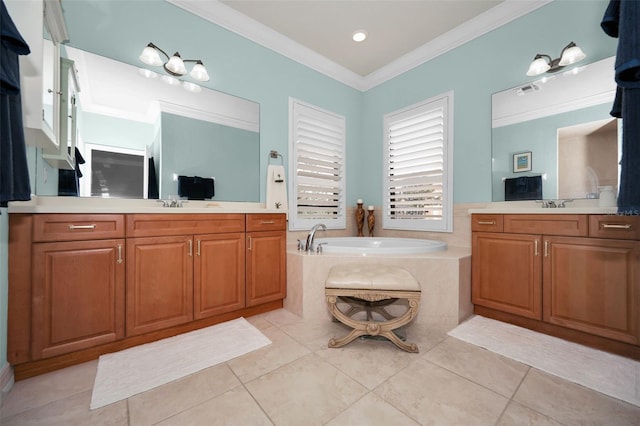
(115, 172)
(587, 158)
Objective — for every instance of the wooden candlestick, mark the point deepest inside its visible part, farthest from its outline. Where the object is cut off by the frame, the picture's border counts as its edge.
(360, 218)
(371, 221)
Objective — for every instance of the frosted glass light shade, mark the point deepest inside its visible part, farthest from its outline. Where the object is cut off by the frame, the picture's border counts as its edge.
(175, 65)
(150, 56)
(199, 72)
(538, 66)
(571, 55)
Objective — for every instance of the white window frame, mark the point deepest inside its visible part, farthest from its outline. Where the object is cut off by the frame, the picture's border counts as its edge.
(444, 223)
(336, 147)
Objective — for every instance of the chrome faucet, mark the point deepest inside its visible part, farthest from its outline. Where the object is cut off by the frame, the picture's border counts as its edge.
(312, 234)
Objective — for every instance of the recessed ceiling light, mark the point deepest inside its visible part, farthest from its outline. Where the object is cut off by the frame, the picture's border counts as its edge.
(359, 35)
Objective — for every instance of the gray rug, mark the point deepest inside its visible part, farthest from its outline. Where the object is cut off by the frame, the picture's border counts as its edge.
(609, 374)
(135, 370)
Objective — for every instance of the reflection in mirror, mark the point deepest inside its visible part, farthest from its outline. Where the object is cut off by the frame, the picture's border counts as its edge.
(587, 158)
(534, 117)
(206, 134)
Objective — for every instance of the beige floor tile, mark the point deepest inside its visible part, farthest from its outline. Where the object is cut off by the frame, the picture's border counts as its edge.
(570, 403)
(71, 411)
(500, 374)
(308, 391)
(371, 410)
(280, 317)
(519, 415)
(369, 362)
(282, 350)
(164, 401)
(432, 395)
(46, 388)
(234, 407)
(315, 334)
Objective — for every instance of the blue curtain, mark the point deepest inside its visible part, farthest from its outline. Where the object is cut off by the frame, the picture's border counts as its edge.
(14, 173)
(622, 20)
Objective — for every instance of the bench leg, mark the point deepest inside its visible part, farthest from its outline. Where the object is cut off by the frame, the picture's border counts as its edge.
(385, 329)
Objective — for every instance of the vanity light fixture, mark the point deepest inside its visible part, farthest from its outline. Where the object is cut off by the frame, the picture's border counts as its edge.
(174, 66)
(543, 63)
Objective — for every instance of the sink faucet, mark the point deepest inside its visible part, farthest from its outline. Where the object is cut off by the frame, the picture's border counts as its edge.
(312, 234)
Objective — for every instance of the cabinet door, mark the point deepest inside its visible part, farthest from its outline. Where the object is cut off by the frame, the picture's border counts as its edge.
(593, 285)
(219, 274)
(506, 273)
(159, 283)
(78, 295)
(266, 267)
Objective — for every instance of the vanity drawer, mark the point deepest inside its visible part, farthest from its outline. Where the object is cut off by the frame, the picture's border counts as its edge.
(487, 222)
(266, 222)
(155, 225)
(614, 226)
(569, 225)
(77, 227)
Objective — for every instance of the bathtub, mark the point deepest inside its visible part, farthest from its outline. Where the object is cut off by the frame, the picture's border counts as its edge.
(379, 245)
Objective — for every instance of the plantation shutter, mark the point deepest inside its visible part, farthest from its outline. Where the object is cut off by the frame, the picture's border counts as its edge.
(417, 172)
(318, 139)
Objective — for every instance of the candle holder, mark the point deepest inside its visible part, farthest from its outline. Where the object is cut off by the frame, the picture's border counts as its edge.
(360, 218)
(371, 221)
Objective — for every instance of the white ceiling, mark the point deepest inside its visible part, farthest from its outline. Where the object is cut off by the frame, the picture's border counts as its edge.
(394, 28)
(402, 34)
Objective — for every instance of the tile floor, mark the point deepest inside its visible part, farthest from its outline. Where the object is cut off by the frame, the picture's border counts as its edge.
(297, 380)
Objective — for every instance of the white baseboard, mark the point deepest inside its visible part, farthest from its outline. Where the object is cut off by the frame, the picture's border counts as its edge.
(6, 379)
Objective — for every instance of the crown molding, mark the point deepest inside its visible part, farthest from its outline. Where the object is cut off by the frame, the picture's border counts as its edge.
(232, 20)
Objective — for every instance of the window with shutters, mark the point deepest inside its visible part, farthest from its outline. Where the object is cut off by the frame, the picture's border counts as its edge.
(317, 167)
(418, 183)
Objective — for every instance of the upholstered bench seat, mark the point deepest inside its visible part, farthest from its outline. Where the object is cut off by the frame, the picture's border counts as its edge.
(370, 288)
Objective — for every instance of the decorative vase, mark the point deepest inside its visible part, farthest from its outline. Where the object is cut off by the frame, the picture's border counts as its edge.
(371, 221)
(360, 218)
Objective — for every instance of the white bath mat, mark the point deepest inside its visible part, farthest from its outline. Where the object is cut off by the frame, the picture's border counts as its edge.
(610, 374)
(135, 370)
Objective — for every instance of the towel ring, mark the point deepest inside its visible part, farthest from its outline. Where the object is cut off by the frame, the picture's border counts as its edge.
(274, 154)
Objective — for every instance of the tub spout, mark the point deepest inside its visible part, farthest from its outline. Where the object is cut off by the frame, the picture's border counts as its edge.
(312, 234)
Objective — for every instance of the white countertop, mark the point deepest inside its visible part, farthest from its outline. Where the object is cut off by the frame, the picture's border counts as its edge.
(584, 206)
(43, 204)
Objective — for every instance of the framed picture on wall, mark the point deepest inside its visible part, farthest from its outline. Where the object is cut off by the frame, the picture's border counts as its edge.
(522, 162)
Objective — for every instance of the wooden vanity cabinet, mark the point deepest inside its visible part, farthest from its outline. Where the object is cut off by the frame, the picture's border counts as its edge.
(507, 273)
(77, 282)
(159, 283)
(567, 272)
(81, 285)
(593, 285)
(162, 288)
(219, 274)
(266, 258)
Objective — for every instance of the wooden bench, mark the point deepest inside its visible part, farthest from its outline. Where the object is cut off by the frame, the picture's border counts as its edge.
(371, 288)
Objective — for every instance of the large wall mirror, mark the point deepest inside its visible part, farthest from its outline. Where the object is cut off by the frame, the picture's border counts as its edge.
(554, 138)
(126, 118)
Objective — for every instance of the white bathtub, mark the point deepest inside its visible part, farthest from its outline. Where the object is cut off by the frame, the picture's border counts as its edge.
(379, 245)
